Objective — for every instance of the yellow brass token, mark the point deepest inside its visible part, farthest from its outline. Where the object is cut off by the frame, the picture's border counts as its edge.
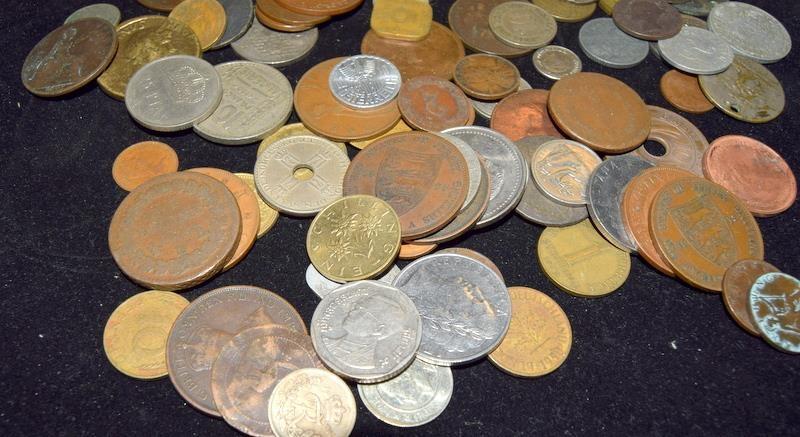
(608, 6)
(566, 11)
(291, 130)
(267, 215)
(399, 127)
(408, 20)
(205, 17)
(135, 337)
(581, 262)
(355, 237)
(539, 337)
(141, 40)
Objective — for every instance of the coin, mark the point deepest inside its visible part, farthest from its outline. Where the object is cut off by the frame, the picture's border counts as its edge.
(413, 398)
(469, 19)
(333, 408)
(399, 127)
(323, 286)
(687, 20)
(555, 62)
(355, 237)
(175, 231)
(278, 25)
(205, 17)
(683, 92)
(647, 19)
(521, 24)
(160, 5)
(486, 77)
(143, 161)
(486, 107)
(238, 18)
(477, 256)
(697, 51)
(774, 309)
(736, 284)
(432, 104)
(701, 229)
(751, 31)
(364, 81)
(413, 251)
(539, 338)
(566, 11)
(409, 20)
(752, 171)
(142, 40)
(697, 8)
(683, 142)
(267, 215)
(208, 324)
(603, 42)
(280, 13)
(135, 335)
(523, 114)
(256, 101)
(104, 11)
(561, 169)
(266, 46)
(581, 262)
(465, 307)
(599, 111)
(69, 57)
(291, 130)
(320, 8)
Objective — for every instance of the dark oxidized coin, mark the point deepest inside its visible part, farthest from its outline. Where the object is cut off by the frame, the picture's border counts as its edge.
(648, 19)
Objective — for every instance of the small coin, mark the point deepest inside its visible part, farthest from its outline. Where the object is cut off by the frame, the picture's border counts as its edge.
(561, 169)
(555, 62)
(409, 20)
(523, 114)
(401, 126)
(238, 18)
(736, 285)
(136, 333)
(697, 8)
(486, 108)
(264, 45)
(696, 51)
(647, 19)
(278, 25)
(683, 142)
(143, 161)
(469, 19)
(581, 262)
(433, 104)
(486, 77)
(320, 8)
(413, 251)
(536, 320)
(522, 24)
(205, 17)
(683, 91)
(477, 256)
(566, 11)
(291, 130)
(603, 42)
(103, 11)
(267, 216)
(752, 171)
(323, 286)
(750, 31)
(774, 309)
(160, 5)
(280, 13)
(364, 81)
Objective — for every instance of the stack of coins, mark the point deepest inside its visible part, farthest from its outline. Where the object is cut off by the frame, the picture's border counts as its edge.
(300, 15)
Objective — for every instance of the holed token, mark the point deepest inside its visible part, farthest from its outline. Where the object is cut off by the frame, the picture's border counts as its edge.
(647, 19)
(683, 91)
(290, 411)
(683, 142)
(522, 24)
(736, 285)
(205, 17)
(408, 20)
(140, 162)
(567, 11)
(486, 77)
(433, 104)
(291, 130)
(267, 216)
(523, 114)
(775, 310)
(561, 168)
(469, 19)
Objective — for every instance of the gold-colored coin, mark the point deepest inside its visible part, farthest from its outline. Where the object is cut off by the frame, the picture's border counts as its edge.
(566, 11)
(268, 216)
(399, 127)
(539, 338)
(355, 237)
(409, 20)
(581, 262)
(141, 40)
(608, 6)
(291, 130)
(135, 337)
(205, 17)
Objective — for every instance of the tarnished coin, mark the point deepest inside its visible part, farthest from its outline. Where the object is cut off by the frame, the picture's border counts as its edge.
(736, 285)
(523, 114)
(135, 335)
(581, 262)
(208, 324)
(433, 104)
(477, 256)
(474, 168)
(264, 45)
(320, 8)
(408, 20)
(413, 251)
(603, 42)
(697, 8)
(277, 12)
(238, 19)
(539, 338)
(105, 11)
(278, 25)
(647, 19)
(566, 11)
(555, 62)
(683, 92)
(175, 231)
(366, 331)
(413, 398)
(521, 24)
(775, 311)
(752, 171)
(364, 81)
(69, 57)
(143, 161)
(486, 77)
(323, 286)
(607, 6)
(561, 169)
(401, 126)
(464, 306)
(683, 142)
(751, 31)
(291, 130)
(486, 107)
(206, 18)
(696, 51)
(469, 19)
(256, 101)
(687, 20)
(160, 5)
(267, 215)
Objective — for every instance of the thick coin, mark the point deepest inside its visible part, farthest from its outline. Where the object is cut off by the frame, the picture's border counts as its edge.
(683, 142)
(280, 26)
(697, 8)
(409, 20)
(401, 126)
(523, 114)
(696, 51)
(267, 216)
(683, 91)
(364, 81)
(290, 130)
(751, 31)
(521, 24)
(603, 42)
(413, 251)
(566, 11)
(486, 77)
(238, 18)
(277, 12)
(320, 8)
(469, 19)
(561, 169)
(555, 62)
(486, 107)
(160, 5)
(103, 11)
(266, 46)
(433, 104)
(206, 18)
(774, 309)
(477, 256)
(143, 161)
(736, 285)
(474, 167)
(651, 20)
(323, 286)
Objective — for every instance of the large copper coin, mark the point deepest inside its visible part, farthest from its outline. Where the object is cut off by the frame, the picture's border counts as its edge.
(469, 19)
(683, 91)
(486, 77)
(434, 55)
(69, 57)
(683, 142)
(599, 111)
(752, 171)
(277, 12)
(143, 161)
(280, 26)
(160, 5)
(432, 104)
(320, 7)
(736, 284)
(701, 229)
(648, 19)
(421, 175)
(414, 251)
(319, 110)
(524, 114)
(175, 231)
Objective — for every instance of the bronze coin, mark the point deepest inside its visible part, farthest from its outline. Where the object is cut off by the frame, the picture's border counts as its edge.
(469, 19)
(160, 5)
(599, 111)
(683, 91)
(421, 175)
(647, 19)
(175, 231)
(736, 284)
(524, 114)
(753, 172)
(278, 13)
(322, 113)
(274, 24)
(477, 256)
(413, 251)
(486, 77)
(320, 8)
(69, 57)
(434, 55)
(432, 104)
(143, 161)
(683, 142)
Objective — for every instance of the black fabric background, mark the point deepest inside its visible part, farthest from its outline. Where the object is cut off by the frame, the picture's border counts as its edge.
(657, 357)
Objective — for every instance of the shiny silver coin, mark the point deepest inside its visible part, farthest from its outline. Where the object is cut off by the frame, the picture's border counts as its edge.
(604, 195)
(506, 166)
(774, 309)
(751, 31)
(267, 46)
(696, 51)
(473, 166)
(485, 108)
(323, 286)
(364, 81)
(464, 305)
(173, 93)
(697, 8)
(104, 11)
(603, 42)
(413, 398)
(239, 17)
(256, 101)
(366, 331)
(555, 62)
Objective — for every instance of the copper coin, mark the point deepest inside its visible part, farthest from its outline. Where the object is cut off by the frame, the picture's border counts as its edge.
(433, 104)
(143, 161)
(636, 201)
(421, 175)
(69, 57)
(434, 55)
(319, 110)
(320, 7)
(683, 91)
(647, 19)
(470, 20)
(274, 24)
(701, 229)
(599, 111)
(736, 284)
(752, 171)
(277, 12)
(160, 5)
(477, 256)
(486, 77)
(524, 114)
(414, 251)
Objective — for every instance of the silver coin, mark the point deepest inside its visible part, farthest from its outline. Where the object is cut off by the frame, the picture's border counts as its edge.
(604, 195)
(267, 46)
(323, 286)
(555, 62)
(366, 331)
(603, 42)
(561, 169)
(172, 93)
(775, 311)
(464, 305)
(485, 108)
(474, 168)
(239, 17)
(364, 81)
(507, 169)
(696, 51)
(256, 101)
(535, 206)
(688, 20)
(103, 11)
(751, 31)
(413, 398)
(300, 175)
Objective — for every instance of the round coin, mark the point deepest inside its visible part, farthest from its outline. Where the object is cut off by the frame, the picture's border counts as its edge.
(555, 62)
(751, 31)
(603, 42)
(280, 13)
(736, 285)
(323, 286)
(697, 8)
(291, 130)
(414, 251)
(205, 17)
(561, 169)
(278, 25)
(401, 126)
(266, 46)
(696, 51)
(522, 24)
(486, 107)
(647, 19)
(486, 77)
(683, 142)
(469, 19)
(774, 309)
(143, 161)
(433, 104)
(238, 18)
(683, 91)
(566, 11)
(477, 256)
(687, 20)
(320, 8)
(523, 114)
(160, 5)
(103, 11)
(267, 216)
(364, 81)
(408, 20)
(607, 6)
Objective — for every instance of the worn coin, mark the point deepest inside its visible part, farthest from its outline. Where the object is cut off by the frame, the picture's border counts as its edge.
(238, 19)
(650, 20)
(603, 42)
(103, 11)
(683, 142)
(477, 256)
(320, 8)
(561, 169)
(264, 45)
(566, 11)
(523, 114)
(413, 251)
(143, 161)
(687, 20)
(267, 216)
(697, 8)
(683, 91)
(280, 26)
(364, 81)
(474, 167)
(736, 285)
(774, 309)
(280, 13)
(486, 107)
(205, 17)
(746, 91)
(290, 130)
(696, 51)
(607, 6)
(751, 31)
(401, 126)
(409, 20)
(323, 286)
(433, 104)
(522, 24)
(160, 5)
(486, 77)
(555, 62)
(469, 19)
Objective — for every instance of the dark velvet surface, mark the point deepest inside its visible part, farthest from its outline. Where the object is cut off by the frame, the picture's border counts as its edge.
(656, 357)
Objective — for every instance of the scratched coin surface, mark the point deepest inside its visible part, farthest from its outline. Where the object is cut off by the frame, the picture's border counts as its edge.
(683, 91)
(561, 169)
(736, 285)
(555, 62)
(323, 286)
(486, 77)
(267, 46)
(206, 18)
(433, 104)
(603, 42)
(486, 107)
(523, 114)
(408, 20)
(469, 19)
(522, 24)
(364, 81)
(464, 306)
(751, 31)
(775, 311)
(143, 161)
(238, 18)
(647, 19)
(105, 11)
(696, 51)
(267, 215)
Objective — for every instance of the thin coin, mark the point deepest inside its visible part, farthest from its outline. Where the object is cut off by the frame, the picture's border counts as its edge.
(103, 11)
(751, 31)
(486, 107)
(413, 251)
(279, 13)
(521, 24)
(603, 42)
(160, 5)
(736, 285)
(409, 20)
(291, 130)
(320, 8)
(469, 19)
(205, 17)
(474, 167)
(143, 161)
(561, 169)
(774, 309)
(555, 62)
(696, 51)
(687, 20)
(523, 114)
(486, 77)
(280, 26)
(264, 45)
(267, 216)
(683, 91)
(477, 256)
(650, 20)
(566, 11)
(697, 8)
(432, 104)
(683, 142)
(364, 81)
(401, 126)
(238, 18)
(135, 336)
(323, 286)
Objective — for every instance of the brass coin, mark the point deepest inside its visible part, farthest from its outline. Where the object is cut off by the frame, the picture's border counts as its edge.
(566, 11)
(290, 130)
(486, 77)
(413, 251)
(267, 216)
(683, 91)
(409, 20)
(607, 6)
(143, 161)
(736, 285)
(205, 17)
(160, 5)
(401, 126)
